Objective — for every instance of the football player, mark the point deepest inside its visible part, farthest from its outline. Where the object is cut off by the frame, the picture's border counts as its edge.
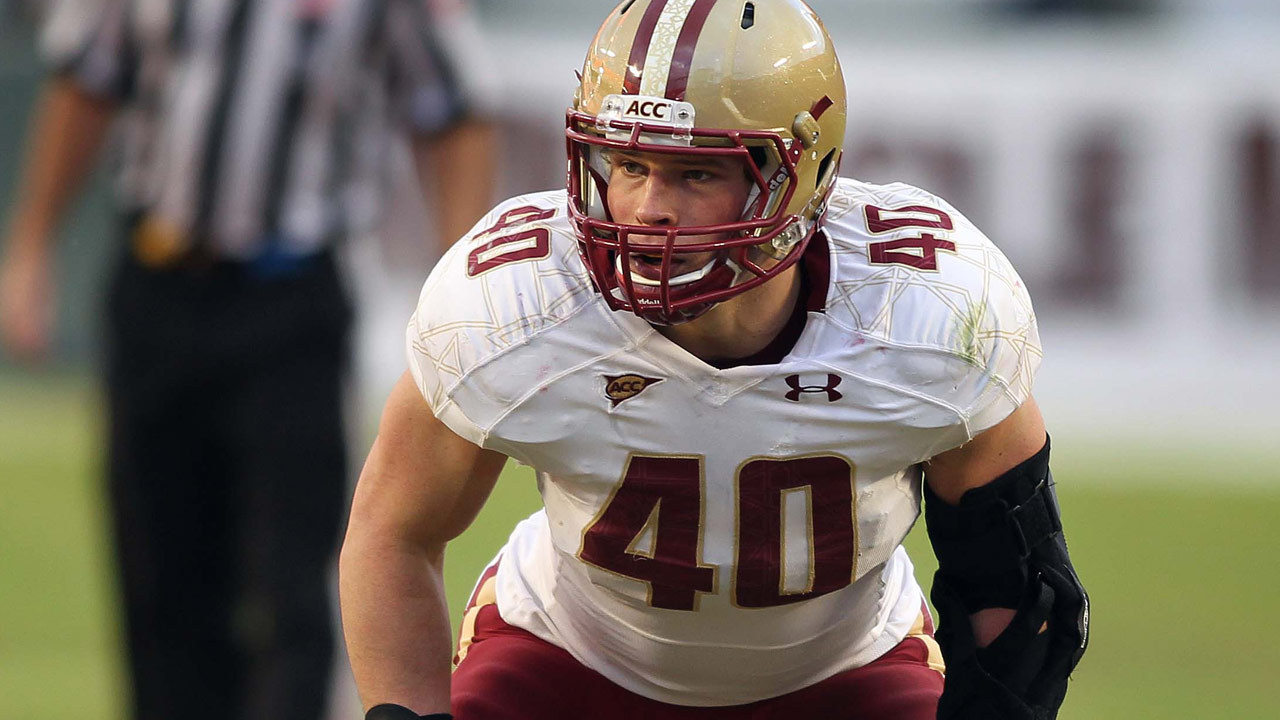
(736, 374)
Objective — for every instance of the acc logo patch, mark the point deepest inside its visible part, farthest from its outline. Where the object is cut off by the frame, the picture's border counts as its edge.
(647, 109)
(624, 387)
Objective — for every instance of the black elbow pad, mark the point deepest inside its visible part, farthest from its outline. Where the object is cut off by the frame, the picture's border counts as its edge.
(1002, 546)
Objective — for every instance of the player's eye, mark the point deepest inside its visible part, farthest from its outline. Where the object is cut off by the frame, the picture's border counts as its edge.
(630, 167)
(699, 175)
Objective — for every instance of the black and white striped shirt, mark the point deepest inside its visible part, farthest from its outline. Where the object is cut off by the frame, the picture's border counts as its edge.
(252, 123)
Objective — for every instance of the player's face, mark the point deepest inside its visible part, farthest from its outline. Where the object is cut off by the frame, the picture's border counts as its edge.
(661, 190)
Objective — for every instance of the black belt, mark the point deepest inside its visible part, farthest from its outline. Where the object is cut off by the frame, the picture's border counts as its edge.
(160, 246)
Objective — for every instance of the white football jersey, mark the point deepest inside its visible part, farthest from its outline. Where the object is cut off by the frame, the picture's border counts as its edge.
(716, 537)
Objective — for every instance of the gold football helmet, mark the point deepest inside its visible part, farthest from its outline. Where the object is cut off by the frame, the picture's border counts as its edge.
(758, 81)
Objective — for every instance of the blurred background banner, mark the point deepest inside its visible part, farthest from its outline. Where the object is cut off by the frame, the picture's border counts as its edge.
(1125, 154)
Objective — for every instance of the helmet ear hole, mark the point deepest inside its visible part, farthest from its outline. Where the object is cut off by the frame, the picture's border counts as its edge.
(627, 6)
(825, 169)
(748, 15)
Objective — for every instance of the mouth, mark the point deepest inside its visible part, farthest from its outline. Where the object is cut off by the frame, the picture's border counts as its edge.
(646, 270)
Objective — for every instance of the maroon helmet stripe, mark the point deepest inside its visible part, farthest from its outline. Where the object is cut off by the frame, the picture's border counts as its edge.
(640, 48)
(678, 78)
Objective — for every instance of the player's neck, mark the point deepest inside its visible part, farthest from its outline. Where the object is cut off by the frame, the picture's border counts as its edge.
(742, 326)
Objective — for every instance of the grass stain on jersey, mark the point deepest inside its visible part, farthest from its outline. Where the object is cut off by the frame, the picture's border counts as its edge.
(969, 334)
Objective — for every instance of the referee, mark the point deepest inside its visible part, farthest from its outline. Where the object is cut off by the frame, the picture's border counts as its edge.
(253, 135)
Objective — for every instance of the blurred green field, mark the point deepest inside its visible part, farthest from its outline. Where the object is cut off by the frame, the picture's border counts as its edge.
(1183, 575)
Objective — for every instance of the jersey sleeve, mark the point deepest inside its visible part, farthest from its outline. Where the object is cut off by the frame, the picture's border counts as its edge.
(1002, 341)
(439, 351)
(956, 337)
(91, 43)
(469, 340)
(990, 332)
(436, 76)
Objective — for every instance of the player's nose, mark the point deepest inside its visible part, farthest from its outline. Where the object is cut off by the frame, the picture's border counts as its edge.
(659, 202)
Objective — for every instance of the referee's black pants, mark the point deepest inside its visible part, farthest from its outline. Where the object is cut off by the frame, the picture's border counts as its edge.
(227, 473)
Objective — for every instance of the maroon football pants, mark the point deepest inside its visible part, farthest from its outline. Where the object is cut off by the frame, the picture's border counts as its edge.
(506, 673)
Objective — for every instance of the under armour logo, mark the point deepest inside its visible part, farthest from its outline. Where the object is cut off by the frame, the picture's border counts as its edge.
(833, 381)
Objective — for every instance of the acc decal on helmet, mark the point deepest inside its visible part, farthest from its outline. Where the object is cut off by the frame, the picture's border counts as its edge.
(758, 81)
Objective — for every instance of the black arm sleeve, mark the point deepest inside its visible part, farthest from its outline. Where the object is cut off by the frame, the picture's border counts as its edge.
(1002, 546)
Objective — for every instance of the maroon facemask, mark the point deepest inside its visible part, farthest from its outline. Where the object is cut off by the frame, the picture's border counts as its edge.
(646, 269)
